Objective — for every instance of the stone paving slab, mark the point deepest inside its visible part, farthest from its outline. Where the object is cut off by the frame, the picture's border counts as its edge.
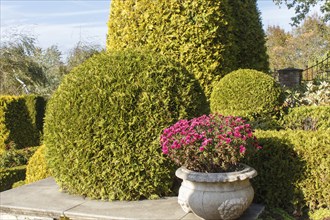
(44, 200)
(166, 208)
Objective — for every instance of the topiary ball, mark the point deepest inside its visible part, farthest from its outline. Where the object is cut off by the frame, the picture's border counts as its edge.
(37, 168)
(102, 125)
(246, 92)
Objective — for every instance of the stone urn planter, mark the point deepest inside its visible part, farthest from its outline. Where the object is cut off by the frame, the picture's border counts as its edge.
(216, 195)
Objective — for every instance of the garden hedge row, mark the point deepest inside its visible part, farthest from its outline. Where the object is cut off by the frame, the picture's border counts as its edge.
(16, 157)
(10, 176)
(293, 169)
(21, 119)
(308, 118)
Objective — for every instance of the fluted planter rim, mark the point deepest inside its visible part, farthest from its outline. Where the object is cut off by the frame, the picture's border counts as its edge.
(247, 173)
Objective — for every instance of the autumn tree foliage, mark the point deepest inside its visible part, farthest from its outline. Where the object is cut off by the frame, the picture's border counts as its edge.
(301, 46)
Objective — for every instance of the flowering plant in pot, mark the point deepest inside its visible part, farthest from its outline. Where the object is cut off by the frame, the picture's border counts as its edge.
(209, 150)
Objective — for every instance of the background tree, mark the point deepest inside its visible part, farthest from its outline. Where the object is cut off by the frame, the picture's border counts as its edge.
(53, 68)
(301, 46)
(19, 72)
(27, 68)
(302, 7)
(81, 52)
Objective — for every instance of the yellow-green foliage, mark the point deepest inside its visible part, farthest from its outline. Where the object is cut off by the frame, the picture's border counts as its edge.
(195, 33)
(102, 125)
(18, 123)
(293, 169)
(246, 92)
(321, 214)
(308, 118)
(11, 175)
(37, 168)
(18, 184)
(13, 157)
(210, 38)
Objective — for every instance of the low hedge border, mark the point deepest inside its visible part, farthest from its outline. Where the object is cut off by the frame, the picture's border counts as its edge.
(308, 118)
(293, 169)
(10, 176)
(21, 121)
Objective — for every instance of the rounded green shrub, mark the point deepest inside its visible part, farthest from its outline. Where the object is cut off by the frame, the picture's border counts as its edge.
(37, 168)
(102, 125)
(246, 92)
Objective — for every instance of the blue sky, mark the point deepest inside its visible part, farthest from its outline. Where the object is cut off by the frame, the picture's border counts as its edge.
(64, 23)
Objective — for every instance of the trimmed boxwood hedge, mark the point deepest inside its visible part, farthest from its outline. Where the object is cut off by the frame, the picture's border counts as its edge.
(14, 157)
(308, 118)
(293, 169)
(21, 121)
(102, 125)
(11, 175)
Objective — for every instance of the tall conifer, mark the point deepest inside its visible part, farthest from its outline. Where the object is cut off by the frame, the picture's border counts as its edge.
(201, 35)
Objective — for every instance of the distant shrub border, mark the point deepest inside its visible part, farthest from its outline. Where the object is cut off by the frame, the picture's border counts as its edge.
(13, 157)
(11, 175)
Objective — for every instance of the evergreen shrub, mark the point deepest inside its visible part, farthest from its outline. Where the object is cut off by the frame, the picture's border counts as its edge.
(293, 169)
(18, 184)
(20, 121)
(210, 38)
(248, 93)
(14, 157)
(9, 176)
(36, 106)
(249, 37)
(195, 33)
(102, 125)
(308, 118)
(37, 168)
(320, 214)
